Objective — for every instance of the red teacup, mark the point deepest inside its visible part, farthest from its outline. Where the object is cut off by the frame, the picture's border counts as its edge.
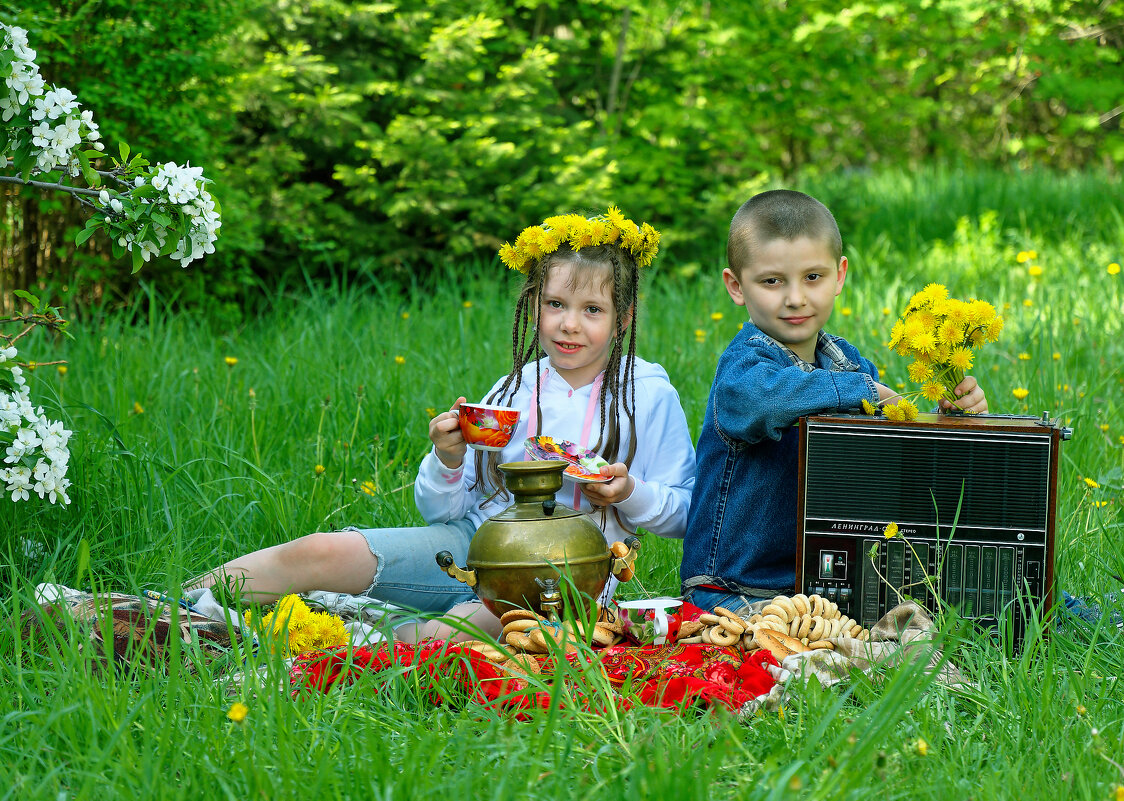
(487, 428)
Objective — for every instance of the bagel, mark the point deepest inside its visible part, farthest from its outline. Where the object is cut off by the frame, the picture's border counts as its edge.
(690, 640)
(520, 641)
(818, 629)
(732, 626)
(805, 627)
(734, 616)
(522, 624)
(775, 619)
(816, 606)
(708, 619)
(855, 630)
(785, 603)
(689, 628)
(705, 634)
(722, 636)
(523, 663)
(828, 644)
(486, 650)
(794, 627)
(603, 636)
(517, 614)
(773, 609)
(800, 603)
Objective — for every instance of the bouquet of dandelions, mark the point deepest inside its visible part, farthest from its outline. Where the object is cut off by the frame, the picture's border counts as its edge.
(34, 449)
(296, 629)
(940, 334)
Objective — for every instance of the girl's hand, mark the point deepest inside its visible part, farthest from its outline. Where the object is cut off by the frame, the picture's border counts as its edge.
(885, 393)
(445, 434)
(970, 397)
(611, 492)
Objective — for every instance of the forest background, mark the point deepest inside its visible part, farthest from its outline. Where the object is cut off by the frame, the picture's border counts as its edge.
(390, 137)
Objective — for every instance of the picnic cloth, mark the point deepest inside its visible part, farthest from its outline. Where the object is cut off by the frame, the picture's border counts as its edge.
(138, 630)
(672, 677)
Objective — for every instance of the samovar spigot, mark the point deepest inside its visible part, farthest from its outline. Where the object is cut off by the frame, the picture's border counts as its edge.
(550, 598)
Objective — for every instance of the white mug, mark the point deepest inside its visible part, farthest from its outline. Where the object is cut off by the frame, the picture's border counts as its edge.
(658, 607)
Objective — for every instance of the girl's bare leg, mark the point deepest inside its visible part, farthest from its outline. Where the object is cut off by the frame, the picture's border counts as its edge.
(337, 562)
(462, 622)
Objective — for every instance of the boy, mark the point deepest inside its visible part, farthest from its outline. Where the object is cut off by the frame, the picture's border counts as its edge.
(786, 266)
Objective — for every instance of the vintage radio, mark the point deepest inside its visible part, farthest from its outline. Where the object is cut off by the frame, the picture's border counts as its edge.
(859, 473)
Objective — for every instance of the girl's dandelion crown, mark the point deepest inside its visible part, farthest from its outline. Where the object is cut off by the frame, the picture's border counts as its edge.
(612, 227)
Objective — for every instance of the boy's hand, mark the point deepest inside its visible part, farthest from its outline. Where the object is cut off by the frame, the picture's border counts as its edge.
(884, 393)
(970, 397)
(445, 434)
(611, 492)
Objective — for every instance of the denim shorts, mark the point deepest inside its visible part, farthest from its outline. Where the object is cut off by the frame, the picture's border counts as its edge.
(708, 599)
(408, 575)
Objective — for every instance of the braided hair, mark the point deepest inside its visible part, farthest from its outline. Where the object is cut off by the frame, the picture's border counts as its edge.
(620, 370)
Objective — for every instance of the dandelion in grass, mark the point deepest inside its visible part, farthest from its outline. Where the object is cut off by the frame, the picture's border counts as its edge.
(405, 315)
(845, 311)
(1024, 256)
(294, 629)
(1090, 483)
(716, 316)
(137, 408)
(886, 311)
(1024, 357)
(431, 412)
(1103, 426)
(1028, 302)
(399, 360)
(238, 711)
(1020, 393)
(467, 304)
(921, 747)
(1035, 271)
(319, 469)
(700, 334)
(1057, 356)
(1081, 710)
(1114, 269)
(62, 370)
(369, 488)
(1099, 504)
(231, 361)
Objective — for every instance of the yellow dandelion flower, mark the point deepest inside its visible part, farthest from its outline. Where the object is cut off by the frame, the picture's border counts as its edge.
(961, 359)
(1120, 439)
(868, 407)
(319, 469)
(467, 304)
(934, 293)
(924, 342)
(892, 412)
(1090, 483)
(845, 311)
(886, 311)
(399, 359)
(1028, 302)
(920, 372)
(238, 711)
(909, 409)
(716, 316)
(900, 385)
(137, 408)
(62, 369)
(1020, 393)
(1032, 254)
(1099, 504)
(1118, 792)
(231, 361)
(1114, 269)
(1081, 710)
(795, 783)
(890, 531)
(431, 411)
(405, 315)
(1057, 356)
(369, 487)
(1024, 357)
(921, 746)
(699, 333)
(1103, 426)
(950, 333)
(1023, 257)
(932, 391)
(1035, 271)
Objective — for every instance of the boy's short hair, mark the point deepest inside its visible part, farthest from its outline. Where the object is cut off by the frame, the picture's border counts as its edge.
(779, 214)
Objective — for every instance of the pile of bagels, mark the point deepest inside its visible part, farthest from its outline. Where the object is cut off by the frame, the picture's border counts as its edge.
(786, 625)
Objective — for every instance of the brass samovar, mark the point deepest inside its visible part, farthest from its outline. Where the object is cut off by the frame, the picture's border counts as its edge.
(522, 557)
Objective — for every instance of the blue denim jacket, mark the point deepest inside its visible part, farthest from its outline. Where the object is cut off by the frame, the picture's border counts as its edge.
(741, 529)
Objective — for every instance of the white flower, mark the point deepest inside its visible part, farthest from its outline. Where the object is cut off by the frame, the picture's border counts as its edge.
(115, 204)
(103, 197)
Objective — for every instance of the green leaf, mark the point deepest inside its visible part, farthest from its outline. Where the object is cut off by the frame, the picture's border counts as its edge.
(138, 259)
(23, 293)
(124, 153)
(83, 559)
(85, 234)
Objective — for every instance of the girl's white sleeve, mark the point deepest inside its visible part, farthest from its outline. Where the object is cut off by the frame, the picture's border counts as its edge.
(439, 492)
(664, 468)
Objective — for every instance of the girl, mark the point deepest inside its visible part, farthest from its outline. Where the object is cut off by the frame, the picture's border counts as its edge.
(576, 377)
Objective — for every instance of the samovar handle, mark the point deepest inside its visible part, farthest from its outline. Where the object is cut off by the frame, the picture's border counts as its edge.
(446, 562)
(624, 554)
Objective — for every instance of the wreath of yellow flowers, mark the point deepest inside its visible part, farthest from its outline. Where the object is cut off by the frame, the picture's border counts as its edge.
(642, 241)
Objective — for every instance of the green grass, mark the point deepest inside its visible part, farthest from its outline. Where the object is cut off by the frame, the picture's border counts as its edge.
(177, 467)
